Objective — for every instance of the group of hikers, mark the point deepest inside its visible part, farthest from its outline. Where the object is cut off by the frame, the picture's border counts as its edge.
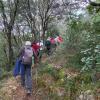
(32, 53)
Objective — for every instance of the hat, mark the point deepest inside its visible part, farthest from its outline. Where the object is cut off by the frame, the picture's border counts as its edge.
(28, 43)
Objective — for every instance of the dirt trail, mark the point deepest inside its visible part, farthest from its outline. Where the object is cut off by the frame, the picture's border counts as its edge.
(20, 94)
(12, 90)
(16, 92)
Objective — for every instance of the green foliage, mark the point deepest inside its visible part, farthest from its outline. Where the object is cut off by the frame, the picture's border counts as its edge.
(91, 48)
(4, 74)
(47, 68)
(3, 56)
(74, 61)
(73, 33)
(90, 9)
(52, 31)
(57, 74)
(61, 73)
(91, 55)
(85, 78)
(83, 38)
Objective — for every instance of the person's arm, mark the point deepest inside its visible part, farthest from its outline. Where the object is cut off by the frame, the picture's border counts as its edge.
(21, 51)
(34, 53)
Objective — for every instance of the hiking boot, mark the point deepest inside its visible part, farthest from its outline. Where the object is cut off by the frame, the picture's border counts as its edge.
(23, 85)
(28, 92)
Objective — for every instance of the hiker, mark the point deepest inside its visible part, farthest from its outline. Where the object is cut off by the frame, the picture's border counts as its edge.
(41, 49)
(59, 39)
(35, 48)
(48, 46)
(25, 56)
(53, 44)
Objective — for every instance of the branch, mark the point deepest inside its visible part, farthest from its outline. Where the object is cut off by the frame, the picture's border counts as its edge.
(32, 20)
(14, 13)
(3, 14)
(49, 7)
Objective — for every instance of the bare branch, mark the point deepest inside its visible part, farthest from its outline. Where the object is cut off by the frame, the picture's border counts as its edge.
(12, 19)
(3, 14)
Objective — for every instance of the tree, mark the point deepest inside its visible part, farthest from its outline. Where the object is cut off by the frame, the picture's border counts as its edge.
(8, 22)
(45, 8)
(28, 14)
(39, 16)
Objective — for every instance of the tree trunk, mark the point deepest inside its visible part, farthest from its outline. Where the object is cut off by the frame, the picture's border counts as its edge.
(35, 36)
(8, 26)
(10, 52)
(43, 36)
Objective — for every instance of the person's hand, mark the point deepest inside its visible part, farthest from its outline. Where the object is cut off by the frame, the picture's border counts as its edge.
(32, 66)
(18, 78)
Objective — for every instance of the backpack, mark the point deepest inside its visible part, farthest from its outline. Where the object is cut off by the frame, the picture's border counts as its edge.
(27, 56)
(47, 43)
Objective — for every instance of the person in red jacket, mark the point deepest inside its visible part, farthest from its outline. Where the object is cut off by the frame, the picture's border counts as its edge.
(35, 48)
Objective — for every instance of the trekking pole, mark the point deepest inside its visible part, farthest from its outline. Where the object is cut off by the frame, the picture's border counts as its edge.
(36, 76)
(32, 66)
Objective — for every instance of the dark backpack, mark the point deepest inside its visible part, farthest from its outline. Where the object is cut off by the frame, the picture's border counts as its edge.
(27, 56)
(47, 43)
